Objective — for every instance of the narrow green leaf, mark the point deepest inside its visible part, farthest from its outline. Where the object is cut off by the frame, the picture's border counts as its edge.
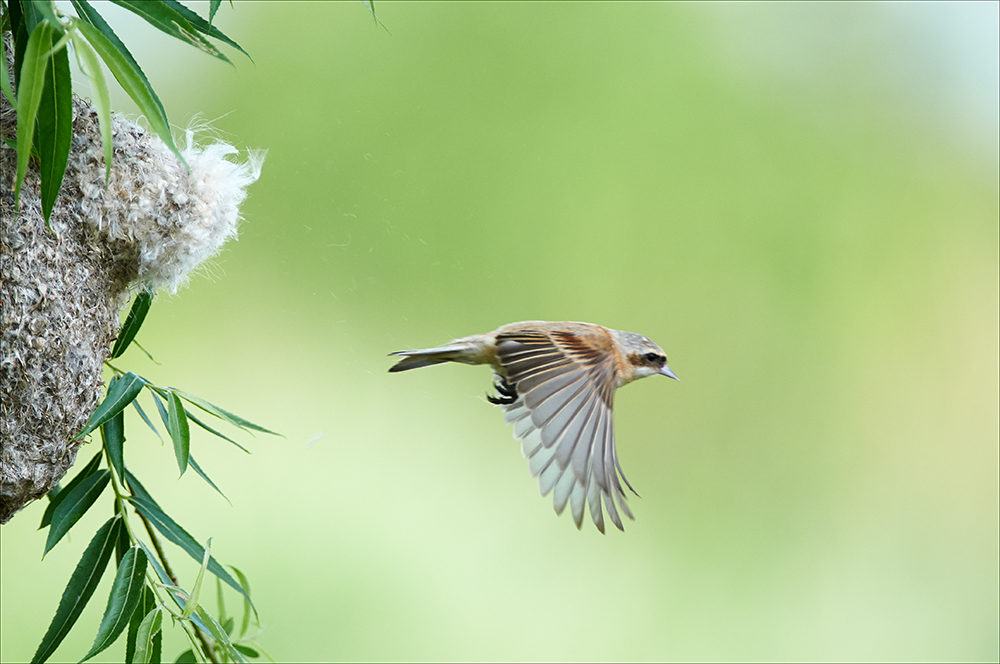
(136, 488)
(147, 353)
(133, 82)
(90, 15)
(186, 657)
(220, 636)
(32, 17)
(164, 417)
(8, 91)
(213, 7)
(81, 586)
(146, 606)
(180, 434)
(29, 96)
(233, 419)
(120, 395)
(173, 532)
(156, 653)
(20, 32)
(55, 127)
(370, 4)
(244, 583)
(221, 601)
(160, 572)
(148, 629)
(125, 594)
(74, 505)
(246, 650)
(165, 18)
(228, 624)
(45, 10)
(90, 66)
(213, 431)
(196, 591)
(203, 26)
(55, 500)
(132, 322)
(145, 419)
(201, 473)
(177, 590)
(113, 435)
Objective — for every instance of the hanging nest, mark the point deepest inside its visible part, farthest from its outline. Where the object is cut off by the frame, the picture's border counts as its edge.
(62, 288)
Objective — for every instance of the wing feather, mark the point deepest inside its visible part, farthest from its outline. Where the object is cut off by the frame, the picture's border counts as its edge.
(594, 498)
(577, 500)
(554, 386)
(548, 477)
(531, 443)
(540, 460)
(563, 418)
(597, 448)
(523, 427)
(586, 438)
(515, 411)
(564, 486)
(554, 428)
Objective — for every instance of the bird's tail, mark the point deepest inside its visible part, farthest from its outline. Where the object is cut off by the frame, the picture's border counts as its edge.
(414, 359)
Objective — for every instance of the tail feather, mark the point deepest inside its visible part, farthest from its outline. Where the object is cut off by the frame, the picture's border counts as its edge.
(414, 359)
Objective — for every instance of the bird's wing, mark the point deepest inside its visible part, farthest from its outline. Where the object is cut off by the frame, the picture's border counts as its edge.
(563, 418)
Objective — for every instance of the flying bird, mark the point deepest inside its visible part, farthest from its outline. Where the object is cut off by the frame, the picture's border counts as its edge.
(556, 383)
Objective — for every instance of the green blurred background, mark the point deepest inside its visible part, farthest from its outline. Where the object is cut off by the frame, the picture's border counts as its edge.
(798, 202)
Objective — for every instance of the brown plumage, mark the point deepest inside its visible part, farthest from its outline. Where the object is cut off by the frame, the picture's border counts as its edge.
(557, 383)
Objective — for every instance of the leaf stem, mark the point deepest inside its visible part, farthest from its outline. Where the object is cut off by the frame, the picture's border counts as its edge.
(114, 368)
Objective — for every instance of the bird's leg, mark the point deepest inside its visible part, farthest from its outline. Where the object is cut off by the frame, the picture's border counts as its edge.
(507, 392)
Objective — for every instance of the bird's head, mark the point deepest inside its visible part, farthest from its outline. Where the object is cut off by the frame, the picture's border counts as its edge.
(641, 357)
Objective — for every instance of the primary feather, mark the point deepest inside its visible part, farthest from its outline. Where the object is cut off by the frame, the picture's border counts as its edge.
(565, 390)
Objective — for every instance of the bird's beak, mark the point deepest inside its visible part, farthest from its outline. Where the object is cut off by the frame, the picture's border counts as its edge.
(667, 372)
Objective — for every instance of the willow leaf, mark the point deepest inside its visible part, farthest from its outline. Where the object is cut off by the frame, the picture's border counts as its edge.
(102, 98)
(74, 505)
(55, 127)
(125, 595)
(180, 433)
(203, 26)
(165, 18)
(29, 96)
(80, 588)
(137, 314)
(54, 501)
(113, 434)
(232, 418)
(120, 394)
(145, 642)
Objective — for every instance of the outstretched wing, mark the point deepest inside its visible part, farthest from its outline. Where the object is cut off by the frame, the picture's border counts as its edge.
(563, 418)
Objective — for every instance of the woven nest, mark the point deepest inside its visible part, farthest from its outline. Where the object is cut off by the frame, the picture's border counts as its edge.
(62, 288)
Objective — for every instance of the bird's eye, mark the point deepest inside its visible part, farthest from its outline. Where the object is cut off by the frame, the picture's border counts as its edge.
(655, 357)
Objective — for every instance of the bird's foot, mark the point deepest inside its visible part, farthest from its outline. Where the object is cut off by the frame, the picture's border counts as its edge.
(507, 393)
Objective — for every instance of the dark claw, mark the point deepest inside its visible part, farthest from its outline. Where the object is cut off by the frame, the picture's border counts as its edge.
(508, 394)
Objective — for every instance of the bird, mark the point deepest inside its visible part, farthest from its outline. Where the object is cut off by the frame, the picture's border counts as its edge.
(556, 383)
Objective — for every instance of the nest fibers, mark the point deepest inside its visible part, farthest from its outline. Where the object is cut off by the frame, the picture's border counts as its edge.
(62, 290)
